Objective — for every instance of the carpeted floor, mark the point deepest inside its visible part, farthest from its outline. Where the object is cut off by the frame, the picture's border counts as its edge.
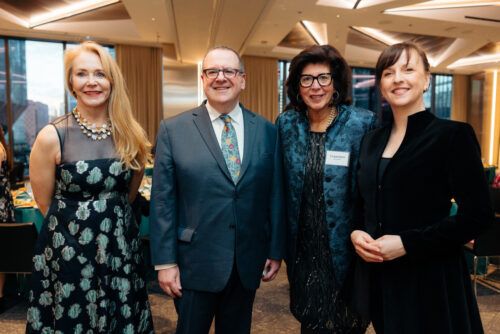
(270, 316)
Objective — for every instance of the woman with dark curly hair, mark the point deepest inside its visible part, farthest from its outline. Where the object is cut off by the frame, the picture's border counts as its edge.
(320, 135)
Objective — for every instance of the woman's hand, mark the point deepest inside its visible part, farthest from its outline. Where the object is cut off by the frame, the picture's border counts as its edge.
(391, 247)
(365, 246)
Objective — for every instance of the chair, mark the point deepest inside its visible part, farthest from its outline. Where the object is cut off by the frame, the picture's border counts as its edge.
(485, 245)
(17, 244)
(17, 172)
(495, 197)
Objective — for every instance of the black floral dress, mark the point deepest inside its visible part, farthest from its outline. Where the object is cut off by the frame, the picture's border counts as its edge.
(6, 203)
(314, 294)
(88, 274)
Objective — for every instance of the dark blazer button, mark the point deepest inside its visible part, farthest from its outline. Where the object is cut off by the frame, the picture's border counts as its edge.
(332, 225)
(232, 226)
(379, 224)
(235, 196)
(329, 202)
(379, 187)
(328, 179)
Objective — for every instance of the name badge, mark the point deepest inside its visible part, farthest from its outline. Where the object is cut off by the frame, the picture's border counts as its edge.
(337, 158)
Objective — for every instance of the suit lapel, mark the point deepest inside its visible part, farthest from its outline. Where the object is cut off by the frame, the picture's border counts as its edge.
(249, 133)
(204, 125)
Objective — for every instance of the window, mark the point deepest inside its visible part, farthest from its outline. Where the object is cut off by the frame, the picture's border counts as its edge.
(3, 90)
(364, 92)
(283, 67)
(37, 91)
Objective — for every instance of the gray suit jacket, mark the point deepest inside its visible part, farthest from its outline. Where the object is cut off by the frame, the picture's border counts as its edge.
(199, 218)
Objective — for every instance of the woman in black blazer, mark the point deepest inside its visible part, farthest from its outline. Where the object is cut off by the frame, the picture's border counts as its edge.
(414, 273)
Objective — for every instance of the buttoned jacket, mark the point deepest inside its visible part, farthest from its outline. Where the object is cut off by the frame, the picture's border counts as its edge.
(201, 219)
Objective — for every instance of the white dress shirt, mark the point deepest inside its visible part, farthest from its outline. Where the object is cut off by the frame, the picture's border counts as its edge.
(236, 116)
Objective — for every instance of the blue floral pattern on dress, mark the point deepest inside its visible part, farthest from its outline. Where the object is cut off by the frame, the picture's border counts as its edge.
(88, 274)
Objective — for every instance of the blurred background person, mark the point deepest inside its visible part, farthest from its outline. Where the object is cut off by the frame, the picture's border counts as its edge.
(6, 203)
(408, 173)
(85, 169)
(320, 133)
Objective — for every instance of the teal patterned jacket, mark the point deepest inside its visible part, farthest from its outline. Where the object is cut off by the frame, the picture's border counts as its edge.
(339, 182)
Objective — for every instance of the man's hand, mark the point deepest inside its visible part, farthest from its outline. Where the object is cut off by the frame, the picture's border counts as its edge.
(170, 281)
(391, 247)
(366, 247)
(271, 269)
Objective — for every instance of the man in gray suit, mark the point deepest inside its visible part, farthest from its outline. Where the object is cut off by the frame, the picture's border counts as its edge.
(217, 217)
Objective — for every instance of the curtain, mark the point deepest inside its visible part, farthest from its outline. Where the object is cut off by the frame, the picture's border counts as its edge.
(460, 98)
(261, 91)
(143, 71)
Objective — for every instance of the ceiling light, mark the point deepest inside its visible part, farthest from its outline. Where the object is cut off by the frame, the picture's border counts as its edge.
(386, 39)
(317, 31)
(444, 4)
(378, 35)
(476, 60)
(493, 112)
(68, 11)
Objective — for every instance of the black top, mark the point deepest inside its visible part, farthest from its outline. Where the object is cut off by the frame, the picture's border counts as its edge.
(77, 146)
(314, 293)
(436, 161)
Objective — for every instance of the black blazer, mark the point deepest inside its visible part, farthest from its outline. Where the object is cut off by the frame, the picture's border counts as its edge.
(199, 218)
(428, 290)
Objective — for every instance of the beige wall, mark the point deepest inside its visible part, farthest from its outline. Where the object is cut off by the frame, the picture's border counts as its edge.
(460, 98)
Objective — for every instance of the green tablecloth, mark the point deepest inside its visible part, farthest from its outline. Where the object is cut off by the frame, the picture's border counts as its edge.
(29, 215)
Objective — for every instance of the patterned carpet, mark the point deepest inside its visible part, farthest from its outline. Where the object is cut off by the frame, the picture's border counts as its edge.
(270, 316)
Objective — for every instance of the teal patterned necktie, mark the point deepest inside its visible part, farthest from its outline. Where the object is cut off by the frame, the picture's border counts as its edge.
(229, 145)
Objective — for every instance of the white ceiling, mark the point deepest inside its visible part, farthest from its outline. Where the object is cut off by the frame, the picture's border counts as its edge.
(256, 27)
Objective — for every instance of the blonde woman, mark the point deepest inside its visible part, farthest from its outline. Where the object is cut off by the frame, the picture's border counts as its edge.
(85, 169)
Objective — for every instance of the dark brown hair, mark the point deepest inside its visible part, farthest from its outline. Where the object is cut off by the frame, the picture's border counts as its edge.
(391, 55)
(6, 148)
(319, 54)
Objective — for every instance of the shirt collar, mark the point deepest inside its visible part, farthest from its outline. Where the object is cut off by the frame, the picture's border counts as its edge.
(236, 114)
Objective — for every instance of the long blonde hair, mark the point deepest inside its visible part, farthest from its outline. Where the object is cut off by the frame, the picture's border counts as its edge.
(131, 142)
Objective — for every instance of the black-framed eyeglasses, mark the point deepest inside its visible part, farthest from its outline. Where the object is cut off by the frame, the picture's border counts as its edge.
(228, 73)
(307, 80)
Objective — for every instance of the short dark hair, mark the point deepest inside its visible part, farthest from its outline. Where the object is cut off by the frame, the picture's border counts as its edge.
(227, 48)
(319, 54)
(391, 55)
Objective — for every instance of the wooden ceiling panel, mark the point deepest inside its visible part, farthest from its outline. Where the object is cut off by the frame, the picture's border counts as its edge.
(112, 12)
(298, 38)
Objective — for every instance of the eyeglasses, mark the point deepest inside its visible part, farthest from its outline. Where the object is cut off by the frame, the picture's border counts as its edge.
(307, 80)
(228, 73)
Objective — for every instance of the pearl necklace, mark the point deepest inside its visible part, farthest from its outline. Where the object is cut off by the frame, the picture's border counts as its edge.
(92, 131)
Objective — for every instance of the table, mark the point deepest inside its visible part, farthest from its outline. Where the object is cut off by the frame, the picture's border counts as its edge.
(29, 215)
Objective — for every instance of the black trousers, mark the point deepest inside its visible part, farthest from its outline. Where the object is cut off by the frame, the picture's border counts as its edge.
(231, 307)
